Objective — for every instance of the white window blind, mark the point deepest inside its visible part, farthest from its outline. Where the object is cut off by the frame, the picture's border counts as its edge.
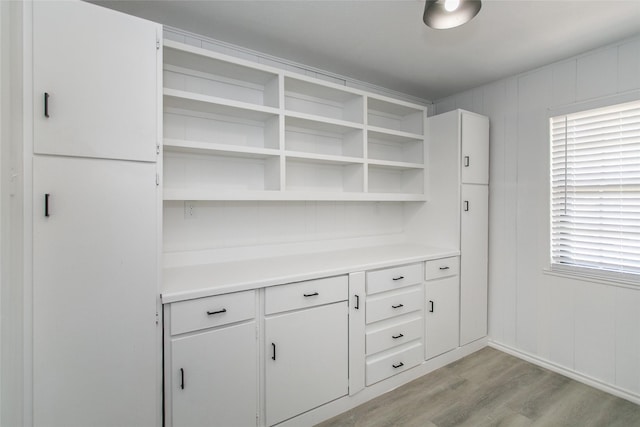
(595, 189)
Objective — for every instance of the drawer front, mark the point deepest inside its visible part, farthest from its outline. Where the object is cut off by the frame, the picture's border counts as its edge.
(379, 368)
(444, 267)
(306, 294)
(393, 278)
(394, 334)
(202, 313)
(393, 304)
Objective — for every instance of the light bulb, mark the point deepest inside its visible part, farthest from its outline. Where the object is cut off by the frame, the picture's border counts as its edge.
(451, 5)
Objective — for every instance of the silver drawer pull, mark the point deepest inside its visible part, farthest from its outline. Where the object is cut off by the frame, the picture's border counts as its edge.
(398, 278)
(397, 306)
(311, 295)
(444, 268)
(211, 313)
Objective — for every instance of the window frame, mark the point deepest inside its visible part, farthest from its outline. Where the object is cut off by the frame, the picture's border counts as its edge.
(609, 277)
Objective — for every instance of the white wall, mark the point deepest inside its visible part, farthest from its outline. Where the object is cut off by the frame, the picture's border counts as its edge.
(591, 329)
(11, 290)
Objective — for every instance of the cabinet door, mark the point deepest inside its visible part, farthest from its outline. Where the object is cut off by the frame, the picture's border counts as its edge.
(214, 378)
(475, 149)
(98, 70)
(441, 315)
(473, 262)
(95, 338)
(306, 360)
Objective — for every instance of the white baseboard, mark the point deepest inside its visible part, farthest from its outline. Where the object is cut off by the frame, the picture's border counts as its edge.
(585, 379)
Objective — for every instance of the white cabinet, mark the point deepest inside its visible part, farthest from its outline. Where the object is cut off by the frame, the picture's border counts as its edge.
(236, 130)
(306, 351)
(474, 262)
(95, 342)
(458, 212)
(442, 293)
(474, 135)
(211, 376)
(95, 82)
(394, 321)
(95, 337)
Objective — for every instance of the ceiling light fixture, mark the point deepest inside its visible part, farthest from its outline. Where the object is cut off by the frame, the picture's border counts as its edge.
(443, 14)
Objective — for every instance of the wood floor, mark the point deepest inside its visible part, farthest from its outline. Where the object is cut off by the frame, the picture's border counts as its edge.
(491, 388)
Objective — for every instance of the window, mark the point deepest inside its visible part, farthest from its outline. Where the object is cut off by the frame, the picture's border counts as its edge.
(595, 191)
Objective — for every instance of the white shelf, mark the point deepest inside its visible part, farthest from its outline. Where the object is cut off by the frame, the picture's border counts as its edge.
(322, 99)
(393, 135)
(199, 70)
(323, 158)
(394, 115)
(182, 100)
(236, 130)
(196, 147)
(215, 195)
(395, 165)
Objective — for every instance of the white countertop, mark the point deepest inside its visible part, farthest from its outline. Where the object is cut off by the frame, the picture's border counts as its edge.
(196, 281)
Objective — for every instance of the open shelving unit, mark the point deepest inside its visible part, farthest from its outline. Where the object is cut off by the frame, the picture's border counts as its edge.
(237, 130)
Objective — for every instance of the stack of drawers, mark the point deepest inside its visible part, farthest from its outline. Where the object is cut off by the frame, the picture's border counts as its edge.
(394, 321)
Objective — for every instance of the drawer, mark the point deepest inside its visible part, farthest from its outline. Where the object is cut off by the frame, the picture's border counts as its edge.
(393, 278)
(393, 304)
(443, 267)
(391, 363)
(202, 313)
(393, 333)
(306, 294)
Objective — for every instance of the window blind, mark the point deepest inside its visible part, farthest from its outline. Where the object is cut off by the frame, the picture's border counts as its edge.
(595, 189)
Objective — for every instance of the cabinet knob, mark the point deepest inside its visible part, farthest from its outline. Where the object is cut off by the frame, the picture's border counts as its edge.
(431, 309)
(311, 295)
(396, 366)
(395, 337)
(466, 161)
(211, 313)
(466, 206)
(273, 347)
(398, 278)
(357, 306)
(444, 268)
(181, 379)
(397, 306)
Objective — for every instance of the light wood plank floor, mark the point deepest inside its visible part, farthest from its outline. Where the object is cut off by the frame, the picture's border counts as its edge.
(491, 388)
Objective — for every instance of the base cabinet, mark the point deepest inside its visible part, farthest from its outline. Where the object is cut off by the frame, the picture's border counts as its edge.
(211, 361)
(215, 378)
(306, 360)
(442, 309)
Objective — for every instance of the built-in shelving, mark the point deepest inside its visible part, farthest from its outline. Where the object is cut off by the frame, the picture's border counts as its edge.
(236, 130)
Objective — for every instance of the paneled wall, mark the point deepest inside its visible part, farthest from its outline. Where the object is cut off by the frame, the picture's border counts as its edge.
(587, 328)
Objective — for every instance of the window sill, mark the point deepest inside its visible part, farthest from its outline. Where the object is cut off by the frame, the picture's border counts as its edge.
(601, 279)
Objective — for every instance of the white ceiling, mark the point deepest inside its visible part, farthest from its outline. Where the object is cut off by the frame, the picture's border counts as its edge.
(387, 44)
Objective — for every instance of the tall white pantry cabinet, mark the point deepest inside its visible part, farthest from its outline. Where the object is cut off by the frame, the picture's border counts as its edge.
(96, 347)
(459, 205)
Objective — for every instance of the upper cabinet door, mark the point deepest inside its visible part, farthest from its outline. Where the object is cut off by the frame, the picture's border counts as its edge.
(95, 75)
(475, 149)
